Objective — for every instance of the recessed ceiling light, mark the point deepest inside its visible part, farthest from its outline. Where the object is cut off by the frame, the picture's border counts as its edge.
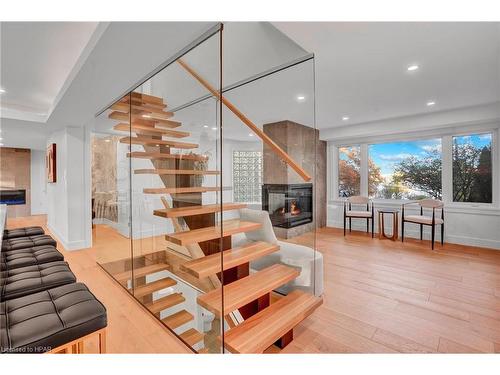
(2, 91)
(301, 98)
(412, 68)
(345, 118)
(205, 126)
(250, 134)
(214, 128)
(431, 103)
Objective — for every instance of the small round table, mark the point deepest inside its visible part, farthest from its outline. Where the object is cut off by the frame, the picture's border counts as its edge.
(395, 220)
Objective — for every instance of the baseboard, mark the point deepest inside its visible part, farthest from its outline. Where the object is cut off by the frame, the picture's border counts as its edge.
(67, 245)
(412, 233)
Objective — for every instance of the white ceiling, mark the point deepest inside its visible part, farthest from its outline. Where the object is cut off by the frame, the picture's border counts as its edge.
(361, 67)
(36, 60)
(360, 70)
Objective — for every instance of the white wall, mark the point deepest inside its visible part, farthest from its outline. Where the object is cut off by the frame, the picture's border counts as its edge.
(67, 214)
(466, 223)
(38, 183)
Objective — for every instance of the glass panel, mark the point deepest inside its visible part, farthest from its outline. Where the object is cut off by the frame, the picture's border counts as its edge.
(282, 209)
(111, 192)
(405, 170)
(472, 168)
(349, 171)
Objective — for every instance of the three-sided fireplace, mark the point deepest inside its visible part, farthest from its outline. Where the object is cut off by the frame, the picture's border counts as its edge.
(288, 205)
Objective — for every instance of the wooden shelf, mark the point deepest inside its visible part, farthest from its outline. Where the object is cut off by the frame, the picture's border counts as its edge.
(197, 210)
(230, 227)
(248, 289)
(261, 330)
(179, 318)
(149, 130)
(174, 171)
(192, 336)
(165, 302)
(159, 155)
(142, 271)
(156, 142)
(211, 264)
(150, 288)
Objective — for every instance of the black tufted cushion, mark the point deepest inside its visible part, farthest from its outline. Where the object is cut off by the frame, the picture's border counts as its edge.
(43, 321)
(20, 282)
(22, 232)
(29, 256)
(24, 242)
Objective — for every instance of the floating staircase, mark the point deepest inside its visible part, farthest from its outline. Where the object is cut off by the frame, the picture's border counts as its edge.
(150, 122)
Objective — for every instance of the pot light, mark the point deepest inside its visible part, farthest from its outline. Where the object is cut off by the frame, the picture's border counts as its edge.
(2, 91)
(250, 134)
(412, 68)
(431, 103)
(301, 98)
(214, 128)
(205, 126)
(345, 118)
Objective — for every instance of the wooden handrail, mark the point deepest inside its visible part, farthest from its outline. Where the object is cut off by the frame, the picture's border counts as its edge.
(265, 138)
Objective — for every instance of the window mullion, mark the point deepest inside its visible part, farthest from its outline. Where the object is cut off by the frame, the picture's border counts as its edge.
(364, 169)
(447, 168)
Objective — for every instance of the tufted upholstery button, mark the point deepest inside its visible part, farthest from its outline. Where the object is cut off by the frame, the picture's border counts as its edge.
(43, 321)
(29, 256)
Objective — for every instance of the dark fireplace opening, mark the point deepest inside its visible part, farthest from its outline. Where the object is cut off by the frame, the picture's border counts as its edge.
(13, 197)
(288, 205)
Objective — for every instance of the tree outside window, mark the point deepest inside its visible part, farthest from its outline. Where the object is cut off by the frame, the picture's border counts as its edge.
(472, 168)
(405, 170)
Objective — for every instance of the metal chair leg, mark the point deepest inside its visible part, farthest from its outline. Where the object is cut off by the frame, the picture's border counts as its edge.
(432, 235)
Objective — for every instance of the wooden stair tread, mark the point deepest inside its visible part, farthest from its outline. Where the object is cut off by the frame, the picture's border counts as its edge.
(139, 107)
(230, 227)
(116, 115)
(181, 190)
(247, 289)
(150, 130)
(159, 155)
(154, 286)
(144, 98)
(261, 330)
(141, 271)
(179, 318)
(165, 302)
(197, 210)
(154, 142)
(192, 336)
(210, 264)
(174, 171)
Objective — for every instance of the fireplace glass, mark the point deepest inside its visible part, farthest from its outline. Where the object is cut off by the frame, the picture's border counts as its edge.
(288, 205)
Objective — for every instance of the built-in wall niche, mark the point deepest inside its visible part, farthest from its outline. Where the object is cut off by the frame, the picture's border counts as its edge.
(15, 180)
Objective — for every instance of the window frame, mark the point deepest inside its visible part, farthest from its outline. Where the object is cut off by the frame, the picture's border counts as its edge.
(446, 136)
(360, 167)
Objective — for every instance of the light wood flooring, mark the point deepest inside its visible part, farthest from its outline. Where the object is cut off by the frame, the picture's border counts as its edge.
(380, 297)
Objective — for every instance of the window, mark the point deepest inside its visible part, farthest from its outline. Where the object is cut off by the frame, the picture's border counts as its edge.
(349, 171)
(247, 176)
(472, 173)
(405, 170)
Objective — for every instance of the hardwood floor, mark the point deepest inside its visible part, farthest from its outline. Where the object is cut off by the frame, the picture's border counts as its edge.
(380, 297)
(383, 296)
(131, 329)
